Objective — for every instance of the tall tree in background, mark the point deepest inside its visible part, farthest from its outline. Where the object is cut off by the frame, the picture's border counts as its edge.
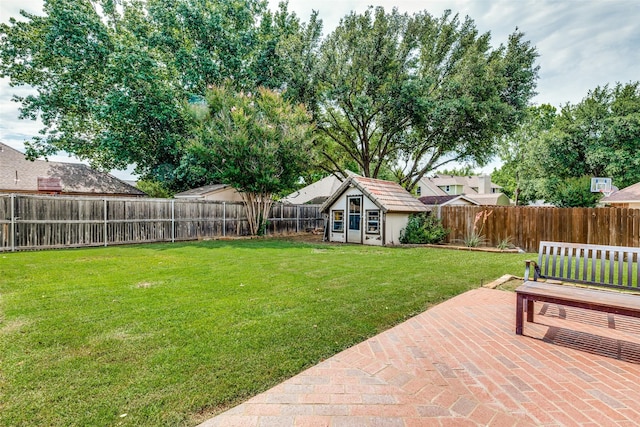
(390, 92)
(552, 155)
(258, 143)
(600, 136)
(520, 152)
(113, 79)
(417, 92)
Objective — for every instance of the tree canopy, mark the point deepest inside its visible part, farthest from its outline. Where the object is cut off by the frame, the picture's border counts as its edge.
(553, 154)
(415, 93)
(392, 94)
(114, 80)
(256, 142)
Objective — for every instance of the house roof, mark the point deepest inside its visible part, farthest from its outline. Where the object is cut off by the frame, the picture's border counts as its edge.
(628, 194)
(19, 175)
(199, 192)
(488, 199)
(317, 192)
(388, 196)
(444, 200)
(470, 184)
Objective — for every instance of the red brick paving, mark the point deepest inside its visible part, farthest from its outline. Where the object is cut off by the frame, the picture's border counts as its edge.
(460, 363)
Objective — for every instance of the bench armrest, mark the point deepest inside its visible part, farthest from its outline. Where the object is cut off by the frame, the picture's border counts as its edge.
(527, 270)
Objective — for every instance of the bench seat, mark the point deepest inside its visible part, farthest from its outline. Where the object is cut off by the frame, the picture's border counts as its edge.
(613, 270)
(592, 299)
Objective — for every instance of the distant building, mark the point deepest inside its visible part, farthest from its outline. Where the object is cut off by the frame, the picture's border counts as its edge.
(628, 197)
(460, 200)
(317, 192)
(214, 192)
(19, 175)
(478, 188)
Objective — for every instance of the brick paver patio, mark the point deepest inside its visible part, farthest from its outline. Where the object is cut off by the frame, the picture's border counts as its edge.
(460, 363)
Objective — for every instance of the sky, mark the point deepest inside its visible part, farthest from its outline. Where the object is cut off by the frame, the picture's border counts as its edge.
(582, 44)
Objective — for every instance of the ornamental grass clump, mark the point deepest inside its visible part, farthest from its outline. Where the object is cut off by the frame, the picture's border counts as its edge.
(476, 237)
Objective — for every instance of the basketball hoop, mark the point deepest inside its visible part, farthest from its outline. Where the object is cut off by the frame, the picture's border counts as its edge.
(602, 185)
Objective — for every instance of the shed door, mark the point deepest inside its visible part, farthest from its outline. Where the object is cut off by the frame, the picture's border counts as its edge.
(354, 233)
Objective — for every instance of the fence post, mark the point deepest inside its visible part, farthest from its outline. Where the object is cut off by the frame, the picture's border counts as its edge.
(13, 222)
(173, 221)
(224, 219)
(297, 218)
(105, 221)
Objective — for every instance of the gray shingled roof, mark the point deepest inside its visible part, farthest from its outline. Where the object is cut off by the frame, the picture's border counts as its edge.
(626, 195)
(441, 200)
(17, 174)
(388, 196)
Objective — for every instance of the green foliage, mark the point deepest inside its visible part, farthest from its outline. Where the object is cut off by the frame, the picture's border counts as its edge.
(476, 237)
(169, 333)
(423, 228)
(552, 155)
(600, 136)
(256, 142)
(417, 92)
(466, 170)
(522, 152)
(114, 83)
(571, 192)
(505, 243)
(154, 189)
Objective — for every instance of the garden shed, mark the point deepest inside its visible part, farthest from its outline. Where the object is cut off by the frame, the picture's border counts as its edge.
(369, 211)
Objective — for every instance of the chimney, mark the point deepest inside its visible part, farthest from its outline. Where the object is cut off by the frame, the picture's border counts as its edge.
(484, 184)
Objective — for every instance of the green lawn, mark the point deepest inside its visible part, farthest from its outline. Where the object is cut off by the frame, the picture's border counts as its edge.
(171, 334)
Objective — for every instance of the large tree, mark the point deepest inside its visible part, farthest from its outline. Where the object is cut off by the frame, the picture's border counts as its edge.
(113, 79)
(417, 92)
(552, 155)
(521, 152)
(256, 142)
(600, 136)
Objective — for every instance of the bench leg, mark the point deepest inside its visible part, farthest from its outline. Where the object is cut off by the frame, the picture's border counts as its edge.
(519, 314)
(529, 310)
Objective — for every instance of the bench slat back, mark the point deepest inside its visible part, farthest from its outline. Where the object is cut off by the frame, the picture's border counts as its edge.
(609, 266)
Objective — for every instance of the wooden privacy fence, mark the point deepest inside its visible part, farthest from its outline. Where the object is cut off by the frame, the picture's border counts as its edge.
(44, 222)
(527, 226)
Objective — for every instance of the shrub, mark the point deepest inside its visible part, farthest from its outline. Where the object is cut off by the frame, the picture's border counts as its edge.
(423, 228)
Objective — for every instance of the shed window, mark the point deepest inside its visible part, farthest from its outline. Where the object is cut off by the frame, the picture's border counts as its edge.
(373, 222)
(338, 221)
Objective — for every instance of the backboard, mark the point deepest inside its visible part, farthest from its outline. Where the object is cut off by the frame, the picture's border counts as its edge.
(600, 185)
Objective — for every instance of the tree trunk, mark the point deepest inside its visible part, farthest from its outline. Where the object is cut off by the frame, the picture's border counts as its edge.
(257, 206)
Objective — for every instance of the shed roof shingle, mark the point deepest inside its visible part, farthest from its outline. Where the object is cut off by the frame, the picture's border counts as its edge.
(388, 196)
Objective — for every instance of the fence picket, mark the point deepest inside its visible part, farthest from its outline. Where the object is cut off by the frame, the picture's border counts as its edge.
(527, 226)
(42, 222)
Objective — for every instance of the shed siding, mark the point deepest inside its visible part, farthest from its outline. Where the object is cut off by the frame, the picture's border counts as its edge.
(394, 224)
(341, 204)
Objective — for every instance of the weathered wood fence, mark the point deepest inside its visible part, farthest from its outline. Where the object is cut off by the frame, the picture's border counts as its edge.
(44, 222)
(527, 226)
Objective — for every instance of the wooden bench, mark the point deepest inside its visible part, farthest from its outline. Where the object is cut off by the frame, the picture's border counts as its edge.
(612, 270)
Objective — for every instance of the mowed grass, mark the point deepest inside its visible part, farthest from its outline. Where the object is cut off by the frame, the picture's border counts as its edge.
(171, 334)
